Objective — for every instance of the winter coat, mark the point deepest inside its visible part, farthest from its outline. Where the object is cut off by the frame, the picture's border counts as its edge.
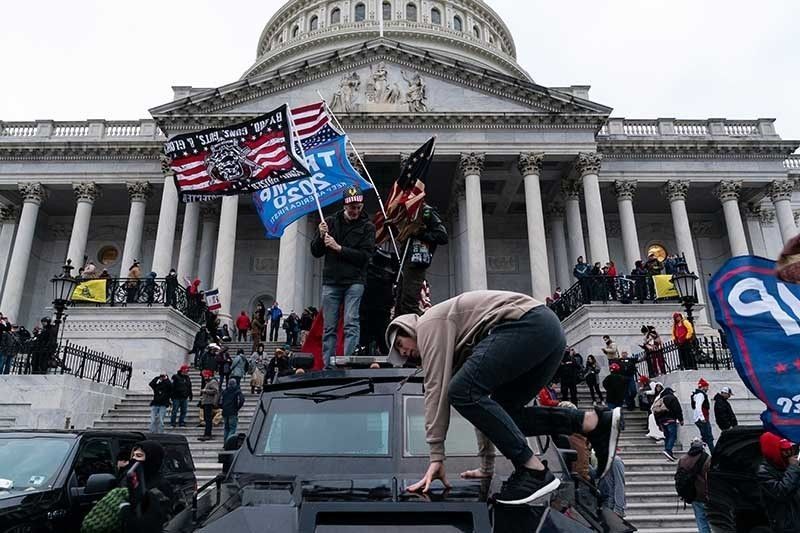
(274, 314)
(615, 384)
(548, 397)
(278, 366)
(683, 331)
(568, 371)
(232, 399)
(724, 414)
(181, 387)
(779, 487)
(243, 322)
(238, 366)
(431, 233)
(162, 390)
(210, 393)
(675, 413)
(581, 270)
(357, 239)
(592, 371)
(200, 341)
(689, 463)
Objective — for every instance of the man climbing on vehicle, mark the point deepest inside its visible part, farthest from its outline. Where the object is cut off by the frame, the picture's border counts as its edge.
(488, 354)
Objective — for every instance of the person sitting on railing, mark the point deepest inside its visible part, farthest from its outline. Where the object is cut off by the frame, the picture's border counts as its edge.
(171, 289)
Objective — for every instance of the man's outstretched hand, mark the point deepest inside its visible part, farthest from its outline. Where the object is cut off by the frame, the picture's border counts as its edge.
(435, 471)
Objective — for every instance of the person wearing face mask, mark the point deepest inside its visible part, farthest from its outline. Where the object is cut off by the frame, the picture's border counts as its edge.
(150, 494)
(347, 241)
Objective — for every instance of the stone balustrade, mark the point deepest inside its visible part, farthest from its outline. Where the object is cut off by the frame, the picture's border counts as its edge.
(91, 129)
(793, 162)
(671, 128)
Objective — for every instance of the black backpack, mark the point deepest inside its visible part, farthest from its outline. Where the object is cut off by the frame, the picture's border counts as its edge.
(684, 480)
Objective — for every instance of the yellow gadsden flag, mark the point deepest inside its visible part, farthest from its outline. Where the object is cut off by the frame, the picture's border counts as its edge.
(664, 286)
(93, 290)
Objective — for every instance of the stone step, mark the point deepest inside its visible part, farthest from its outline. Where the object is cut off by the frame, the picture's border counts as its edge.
(666, 486)
(660, 522)
(643, 497)
(669, 505)
(649, 465)
(647, 454)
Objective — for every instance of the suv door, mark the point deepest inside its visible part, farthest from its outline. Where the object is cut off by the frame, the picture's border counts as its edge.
(94, 457)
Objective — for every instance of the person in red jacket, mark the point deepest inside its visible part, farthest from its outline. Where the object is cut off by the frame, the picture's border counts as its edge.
(548, 397)
(243, 325)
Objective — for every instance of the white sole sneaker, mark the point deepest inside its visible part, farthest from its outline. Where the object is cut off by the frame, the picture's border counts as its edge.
(544, 491)
(613, 439)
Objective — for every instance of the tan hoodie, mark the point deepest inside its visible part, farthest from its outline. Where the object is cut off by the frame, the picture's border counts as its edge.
(445, 335)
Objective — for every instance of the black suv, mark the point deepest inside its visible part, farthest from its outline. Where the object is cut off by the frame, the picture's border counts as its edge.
(333, 452)
(49, 480)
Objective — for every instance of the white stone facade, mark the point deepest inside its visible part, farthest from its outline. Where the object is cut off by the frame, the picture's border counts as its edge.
(528, 177)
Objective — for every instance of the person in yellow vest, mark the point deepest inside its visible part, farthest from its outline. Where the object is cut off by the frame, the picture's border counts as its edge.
(683, 336)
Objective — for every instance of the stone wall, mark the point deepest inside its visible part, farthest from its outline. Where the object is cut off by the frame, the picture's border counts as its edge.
(56, 401)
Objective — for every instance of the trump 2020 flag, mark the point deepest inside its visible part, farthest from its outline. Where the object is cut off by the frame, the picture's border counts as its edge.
(237, 159)
(212, 300)
(331, 173)
(761, 318)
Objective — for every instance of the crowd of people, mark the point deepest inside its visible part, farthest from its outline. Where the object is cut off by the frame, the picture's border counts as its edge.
(26, 352)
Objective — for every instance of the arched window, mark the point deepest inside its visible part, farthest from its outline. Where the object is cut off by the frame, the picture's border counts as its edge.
(387, 11)
(295, 31)
(436, 16)
(457, 24)
(336, 15)
(361, 12)
(411, 12)
(477, 31)
(313, 24)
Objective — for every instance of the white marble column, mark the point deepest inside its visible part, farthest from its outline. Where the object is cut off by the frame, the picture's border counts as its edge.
(226, 251)
(772, 234)
(191, 221)
(208, 240)
(626, 190)
(290, 290)
(8, 226)
(33, 195)
(572, 206)
(728, 194)
(781, 193)
(589, 168)
(555, 215)
(165, 236)
(530, 166)
(752, 215)
(676, 191)
(138, 192)
(471, 167)
(85, 196)
(463, 247)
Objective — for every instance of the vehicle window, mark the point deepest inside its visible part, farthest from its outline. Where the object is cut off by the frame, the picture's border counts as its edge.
(349, 426)
(461, 441)
(177, 459)
(30, 463)
(94, 458)
(389, 529)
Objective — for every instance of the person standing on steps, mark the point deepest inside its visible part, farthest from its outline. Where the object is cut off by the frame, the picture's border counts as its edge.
(592, 379)
(275, 314)
(239, 367)
(242, 326)
(568, 374)
(723, 412)
(668, 416)
(691, 481)
(779, 483)
(209, 399)
(232, 401)
(475, 350)
(615, 384)
(181, 395)
(610, 349)
(162, 389)
(701, 408)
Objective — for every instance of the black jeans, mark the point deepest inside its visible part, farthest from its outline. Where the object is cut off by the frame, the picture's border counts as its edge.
(410, 286)
(273, 330)
(594, 387)
(502, 376)
(208, 418)
(569, 391)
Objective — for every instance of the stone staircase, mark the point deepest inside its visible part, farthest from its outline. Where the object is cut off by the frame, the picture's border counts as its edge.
(652, 505)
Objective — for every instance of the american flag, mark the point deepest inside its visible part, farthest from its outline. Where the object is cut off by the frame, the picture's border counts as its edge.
(408, 193)
(241, 158)
(314, 125)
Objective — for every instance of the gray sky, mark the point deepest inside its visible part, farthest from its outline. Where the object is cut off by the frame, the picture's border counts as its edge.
(645, 58)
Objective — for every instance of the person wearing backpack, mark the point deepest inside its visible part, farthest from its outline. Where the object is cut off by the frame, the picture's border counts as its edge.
(239, 367)
(691, 482)
(701, 408)
(669, 413)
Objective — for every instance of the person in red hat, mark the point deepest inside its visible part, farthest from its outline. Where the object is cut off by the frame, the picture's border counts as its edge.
(616, 384)
(701, 407)
(181, 395)
(779, 483)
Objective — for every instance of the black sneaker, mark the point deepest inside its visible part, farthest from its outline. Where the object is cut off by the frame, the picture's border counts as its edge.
(605, 438)
(525, 485)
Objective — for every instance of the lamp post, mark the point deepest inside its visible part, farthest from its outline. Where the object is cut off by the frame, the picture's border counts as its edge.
(685, 283)
(63, 286)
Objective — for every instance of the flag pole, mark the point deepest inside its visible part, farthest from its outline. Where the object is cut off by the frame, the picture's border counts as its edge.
(366, 171)
(296, 135)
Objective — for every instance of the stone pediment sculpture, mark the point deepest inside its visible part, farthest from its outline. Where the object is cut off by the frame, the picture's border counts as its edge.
(383, 93)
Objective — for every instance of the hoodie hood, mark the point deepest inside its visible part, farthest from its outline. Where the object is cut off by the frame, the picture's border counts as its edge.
(677, 315)
(667, 392)
(196, 282)
(407, 324)
(154, 457)
(772, 446)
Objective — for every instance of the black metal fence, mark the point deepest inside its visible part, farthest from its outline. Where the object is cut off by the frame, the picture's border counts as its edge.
(702, 353)
(67, 358)
(121, 292)
(604, 289)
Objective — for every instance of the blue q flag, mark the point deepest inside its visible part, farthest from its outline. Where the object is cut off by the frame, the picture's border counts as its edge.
(761, 317)
(331, 174)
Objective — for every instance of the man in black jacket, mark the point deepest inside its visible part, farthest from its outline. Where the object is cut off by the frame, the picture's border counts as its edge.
(181, 395)
(723, 412)
(162, 390)
(347, 241)
(779, 483)
(428, 233)
(668, 413)
(568, 374)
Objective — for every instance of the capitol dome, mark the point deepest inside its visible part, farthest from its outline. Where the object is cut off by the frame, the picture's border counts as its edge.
(462, 29)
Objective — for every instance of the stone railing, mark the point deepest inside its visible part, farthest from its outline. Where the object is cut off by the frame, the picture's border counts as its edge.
(90, 129)
(793, 162)
(670, 128)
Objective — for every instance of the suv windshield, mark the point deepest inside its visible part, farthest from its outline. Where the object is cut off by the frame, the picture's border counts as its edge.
(30, 463)
(461, 440)
(356, 426)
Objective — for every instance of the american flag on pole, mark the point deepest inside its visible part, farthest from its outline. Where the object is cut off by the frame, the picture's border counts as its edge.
(314, 126)
(408, 193)
(237, 159)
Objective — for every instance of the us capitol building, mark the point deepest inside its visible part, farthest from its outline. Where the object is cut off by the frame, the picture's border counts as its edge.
(528, 177)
